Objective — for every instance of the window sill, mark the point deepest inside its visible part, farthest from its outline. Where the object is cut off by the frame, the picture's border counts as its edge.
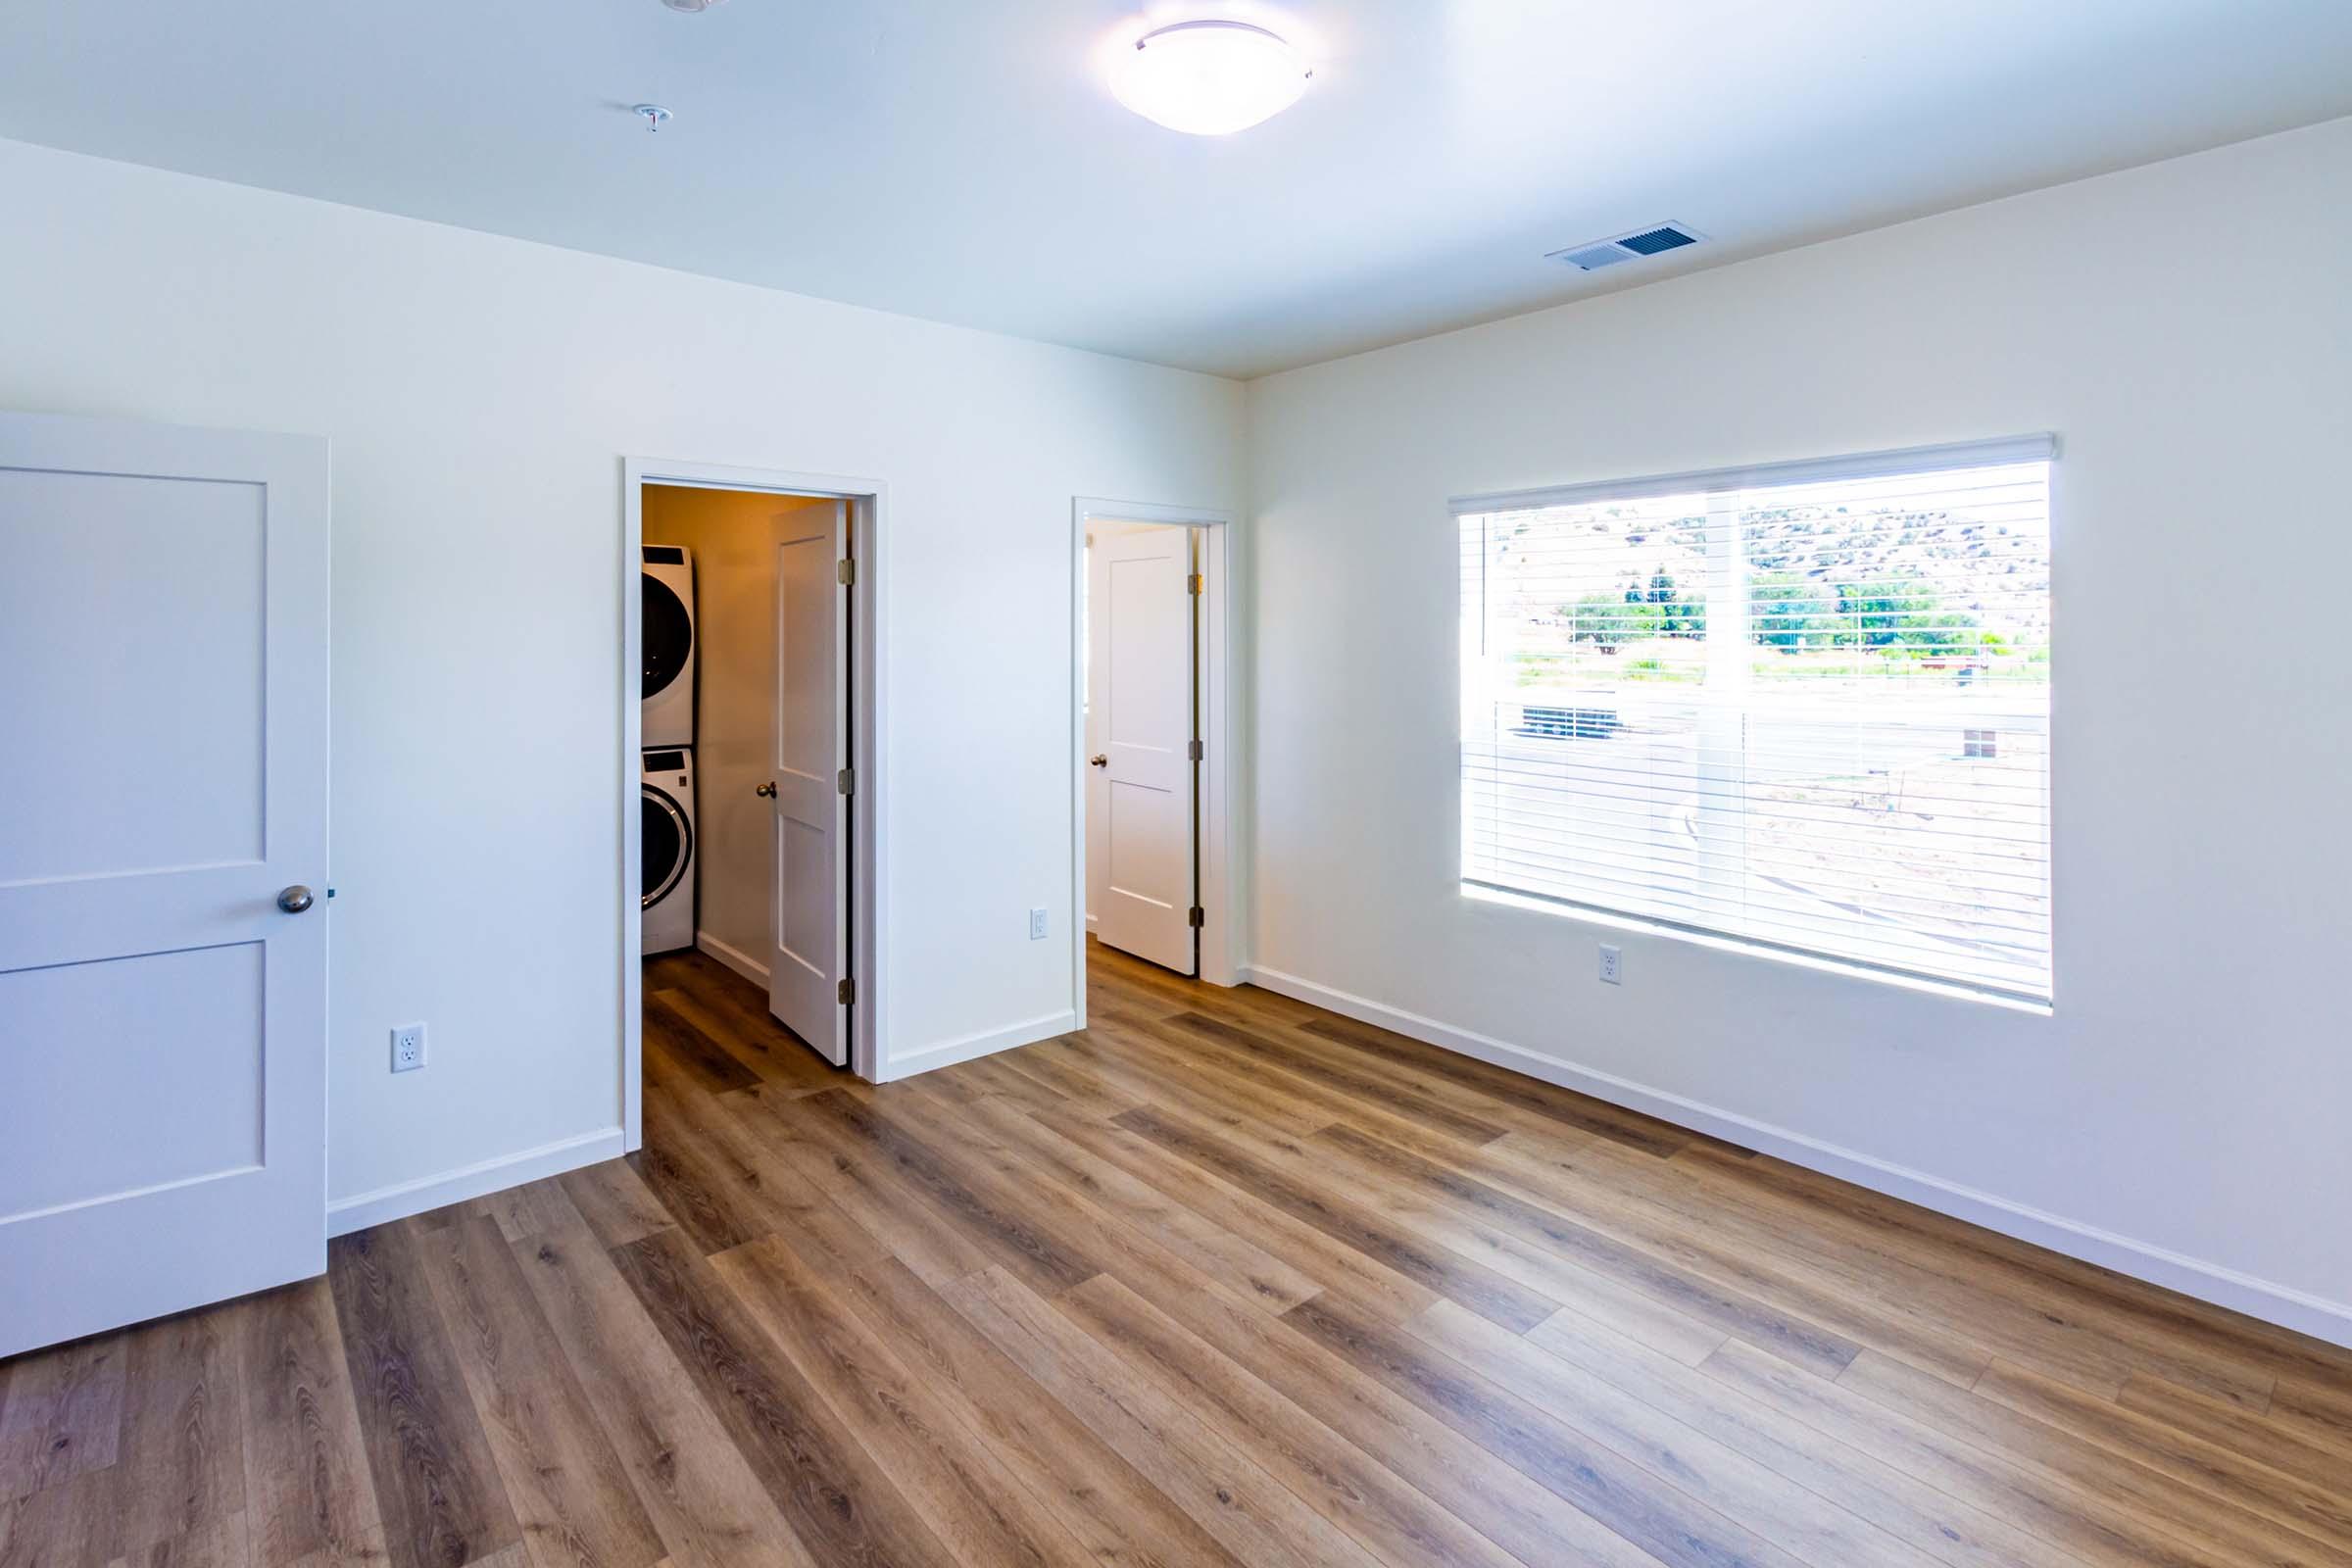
(1754, 950)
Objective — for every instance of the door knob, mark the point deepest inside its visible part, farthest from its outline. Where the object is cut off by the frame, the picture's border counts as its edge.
(767, 790)
(1098, 761)
(294, 900)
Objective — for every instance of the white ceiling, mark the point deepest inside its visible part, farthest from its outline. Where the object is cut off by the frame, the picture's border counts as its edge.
(962, 160)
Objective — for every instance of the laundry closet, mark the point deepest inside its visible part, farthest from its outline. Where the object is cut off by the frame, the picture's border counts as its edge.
(721, 571)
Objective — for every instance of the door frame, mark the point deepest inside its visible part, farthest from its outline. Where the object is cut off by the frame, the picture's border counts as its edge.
(1222, 761)
(865, 865)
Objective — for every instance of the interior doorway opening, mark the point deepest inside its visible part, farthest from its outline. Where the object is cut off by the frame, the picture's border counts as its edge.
(750, 717)
(1156, 750)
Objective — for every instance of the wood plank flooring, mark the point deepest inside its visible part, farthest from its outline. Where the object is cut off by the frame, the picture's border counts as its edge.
(1225, 1281)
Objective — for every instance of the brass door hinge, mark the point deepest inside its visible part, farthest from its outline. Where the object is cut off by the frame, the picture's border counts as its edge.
(845, 572)
(845, 781)
(1193, 584)
(1191, 750)
(846, 992)
(1196, 917)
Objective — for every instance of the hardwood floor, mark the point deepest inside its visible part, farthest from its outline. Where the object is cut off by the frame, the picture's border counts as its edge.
(1224, 1280)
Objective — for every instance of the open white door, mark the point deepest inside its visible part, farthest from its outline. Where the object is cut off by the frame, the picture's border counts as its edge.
(163, 870)
(808, 973)
(1141, 618)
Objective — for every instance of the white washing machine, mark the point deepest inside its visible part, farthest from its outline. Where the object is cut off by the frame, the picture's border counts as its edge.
(667, 842)
(667, 624)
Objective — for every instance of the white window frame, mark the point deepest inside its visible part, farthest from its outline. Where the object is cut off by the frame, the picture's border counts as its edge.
(1718, 484)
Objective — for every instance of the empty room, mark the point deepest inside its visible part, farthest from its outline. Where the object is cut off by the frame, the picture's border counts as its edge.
(1243, 783)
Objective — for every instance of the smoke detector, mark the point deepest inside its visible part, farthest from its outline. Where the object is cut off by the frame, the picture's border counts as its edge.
(691, 5)
(1656, 240)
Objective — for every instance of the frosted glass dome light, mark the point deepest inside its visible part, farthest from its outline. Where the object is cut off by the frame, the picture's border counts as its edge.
(1210, 77)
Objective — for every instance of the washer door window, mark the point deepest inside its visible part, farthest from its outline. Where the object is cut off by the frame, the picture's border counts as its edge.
(669, 845)
(669, 633)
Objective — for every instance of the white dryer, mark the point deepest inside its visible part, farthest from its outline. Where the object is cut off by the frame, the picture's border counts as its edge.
(666, 840)
(666, 586)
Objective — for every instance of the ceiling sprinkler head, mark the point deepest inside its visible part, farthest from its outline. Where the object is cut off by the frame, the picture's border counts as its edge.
(654, 114)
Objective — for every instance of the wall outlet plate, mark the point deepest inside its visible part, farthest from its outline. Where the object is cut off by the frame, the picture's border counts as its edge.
(1037, 925)
(408, 1047)
(1612, 965)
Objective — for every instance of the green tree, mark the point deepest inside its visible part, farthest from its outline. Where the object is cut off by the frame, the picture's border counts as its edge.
(1788, 612)
(1679, 615)
(1610, 619)
(1903, 613)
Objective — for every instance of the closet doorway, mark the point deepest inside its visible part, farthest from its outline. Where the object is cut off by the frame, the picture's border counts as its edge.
(751, 768)
(1156, 745)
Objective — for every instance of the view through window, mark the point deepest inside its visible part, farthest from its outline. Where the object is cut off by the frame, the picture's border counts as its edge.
(1803, 707)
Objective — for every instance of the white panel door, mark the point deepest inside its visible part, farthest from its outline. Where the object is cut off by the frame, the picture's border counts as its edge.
(813, 749)
(163, 1019)
(1141, 620)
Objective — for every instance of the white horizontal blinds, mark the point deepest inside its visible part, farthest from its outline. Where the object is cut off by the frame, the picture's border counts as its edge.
(1813, 715)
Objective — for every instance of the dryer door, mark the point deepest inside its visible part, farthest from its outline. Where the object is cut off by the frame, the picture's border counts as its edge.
(668, 634)
(669, 845)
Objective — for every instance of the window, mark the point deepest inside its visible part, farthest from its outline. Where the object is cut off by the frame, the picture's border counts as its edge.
(1806, 706)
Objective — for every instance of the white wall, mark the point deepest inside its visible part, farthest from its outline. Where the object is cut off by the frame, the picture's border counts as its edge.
(2187, 330)
(481, 394)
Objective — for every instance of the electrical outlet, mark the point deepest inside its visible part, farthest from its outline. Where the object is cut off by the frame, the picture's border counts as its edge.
(1612, 965)
(1037, 925)
(408, 1047)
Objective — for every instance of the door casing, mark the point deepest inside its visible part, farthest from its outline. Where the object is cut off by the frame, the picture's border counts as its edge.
(869, 507)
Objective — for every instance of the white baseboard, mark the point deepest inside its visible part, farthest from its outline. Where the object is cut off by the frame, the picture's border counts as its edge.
(2272, 1302)
(735, 958)
(347, 1214)
(987, 1043)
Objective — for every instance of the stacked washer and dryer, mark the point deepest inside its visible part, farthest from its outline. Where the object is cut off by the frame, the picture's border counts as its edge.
(667, 906)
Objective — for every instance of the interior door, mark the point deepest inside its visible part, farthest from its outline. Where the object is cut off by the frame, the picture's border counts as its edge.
(811, 924)
(1141, 618)
(163, 870)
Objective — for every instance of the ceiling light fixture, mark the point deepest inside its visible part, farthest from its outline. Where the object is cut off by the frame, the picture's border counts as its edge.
(691, 4)
(1210, 77)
